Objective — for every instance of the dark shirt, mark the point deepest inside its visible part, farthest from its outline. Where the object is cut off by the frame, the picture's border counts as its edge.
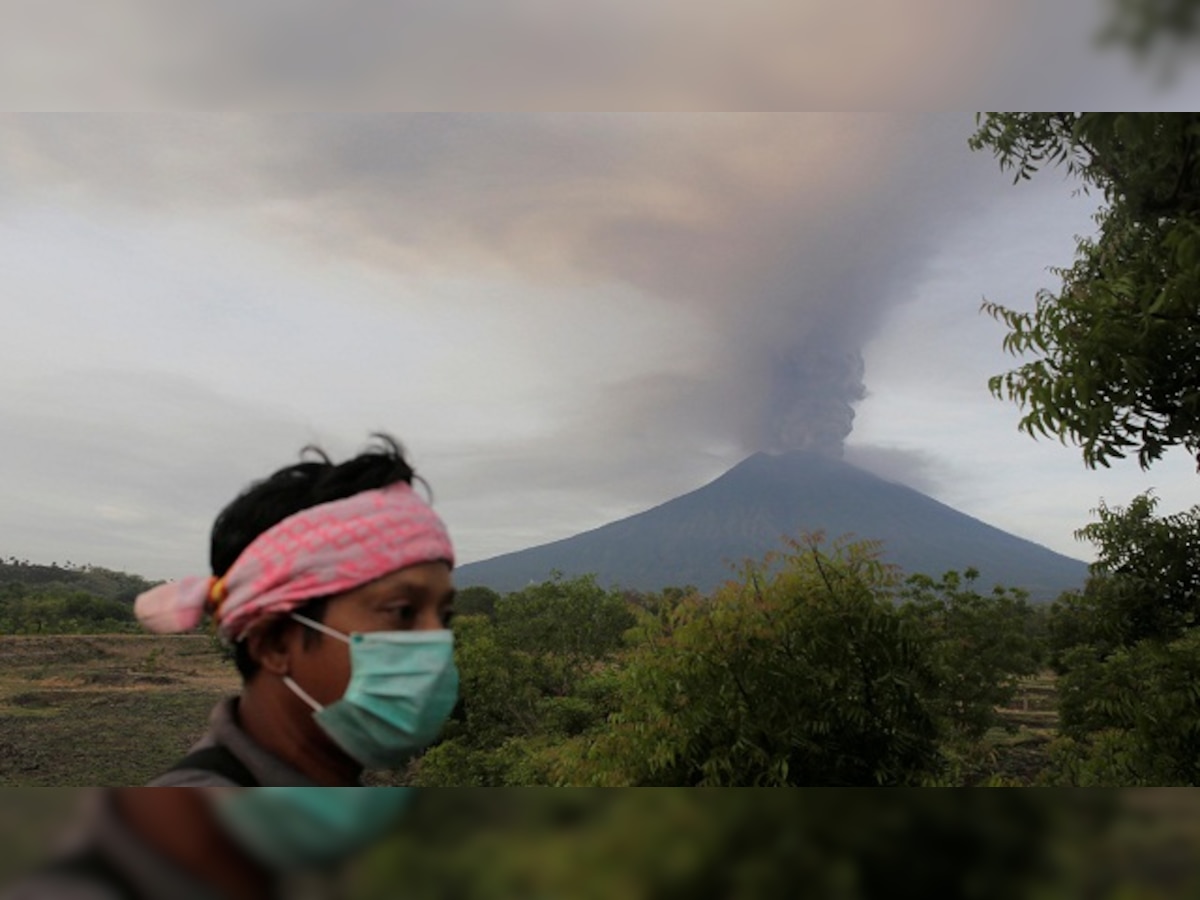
(224, 730)
(121, 865)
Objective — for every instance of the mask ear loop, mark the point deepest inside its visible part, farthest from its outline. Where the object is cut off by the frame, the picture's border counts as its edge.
(302, 694)
(287, 679)
(322, 627)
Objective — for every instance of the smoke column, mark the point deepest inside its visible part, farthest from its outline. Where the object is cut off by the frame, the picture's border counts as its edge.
(786, 236)
(813, 389)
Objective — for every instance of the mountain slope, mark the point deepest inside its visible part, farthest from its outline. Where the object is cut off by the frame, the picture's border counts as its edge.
(747, 511)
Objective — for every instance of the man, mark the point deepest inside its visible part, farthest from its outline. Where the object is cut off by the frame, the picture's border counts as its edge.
(333, 584)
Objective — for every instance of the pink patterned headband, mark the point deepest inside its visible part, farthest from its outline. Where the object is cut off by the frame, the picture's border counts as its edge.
(326, 549)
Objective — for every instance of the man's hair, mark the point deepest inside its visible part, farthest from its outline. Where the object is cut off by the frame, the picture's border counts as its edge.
(290, 490)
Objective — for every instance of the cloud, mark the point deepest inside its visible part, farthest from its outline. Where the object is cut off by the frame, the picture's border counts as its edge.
(507, 54)
(571, 317)
(127, 469)
(786, 235)
(531, 55)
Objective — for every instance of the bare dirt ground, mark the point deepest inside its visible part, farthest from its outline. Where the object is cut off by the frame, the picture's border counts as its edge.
(103, 710)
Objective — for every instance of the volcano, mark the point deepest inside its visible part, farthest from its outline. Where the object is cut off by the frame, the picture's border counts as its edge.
(699, 538)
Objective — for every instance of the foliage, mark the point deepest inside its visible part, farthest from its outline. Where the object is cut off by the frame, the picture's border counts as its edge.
(1148, 25)
(23, 612)
(980, 646)
(575, 620)
(807, 676)
(1116, 368)
(1156, 560)
(500, 692)
(1133, 719)
(818, 667)
(69, 599)
(1117, 371)
(59, 579)
(476, 601)
(1077, 618)
(534, 676)
(659, 604)
(1145, 583)
(1128, 652)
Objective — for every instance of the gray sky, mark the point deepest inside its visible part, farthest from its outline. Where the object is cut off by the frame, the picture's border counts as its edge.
(566, 318)
(644, 55)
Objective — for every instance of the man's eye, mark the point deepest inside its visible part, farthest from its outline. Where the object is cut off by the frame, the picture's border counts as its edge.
(403, 613)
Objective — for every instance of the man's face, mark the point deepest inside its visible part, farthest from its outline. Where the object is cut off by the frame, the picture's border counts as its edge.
(419, 598)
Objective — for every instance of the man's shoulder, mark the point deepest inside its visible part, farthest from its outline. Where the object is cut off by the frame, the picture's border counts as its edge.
(212, 765)
(262, 767)
(211, 761)
(227, 756)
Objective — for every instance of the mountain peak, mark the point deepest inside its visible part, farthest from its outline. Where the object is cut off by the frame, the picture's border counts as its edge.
(699, 537)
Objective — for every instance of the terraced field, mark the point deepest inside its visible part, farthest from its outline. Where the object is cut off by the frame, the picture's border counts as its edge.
(1021, 754)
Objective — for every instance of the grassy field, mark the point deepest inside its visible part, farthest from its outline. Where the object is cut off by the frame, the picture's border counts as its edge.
(103, 710)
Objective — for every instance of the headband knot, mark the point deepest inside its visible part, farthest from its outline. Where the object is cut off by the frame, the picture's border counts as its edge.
(218, 591)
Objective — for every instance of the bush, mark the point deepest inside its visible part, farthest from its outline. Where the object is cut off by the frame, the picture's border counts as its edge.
(980, 646)
(1128, 653)
(1133, 718)
(529, 678)
(809, 676)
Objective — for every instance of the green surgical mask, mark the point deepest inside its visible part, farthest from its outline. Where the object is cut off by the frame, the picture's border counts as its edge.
(403, 687)
(294, 828)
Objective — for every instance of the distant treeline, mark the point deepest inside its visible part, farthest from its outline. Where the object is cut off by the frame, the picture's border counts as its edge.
(67, 598)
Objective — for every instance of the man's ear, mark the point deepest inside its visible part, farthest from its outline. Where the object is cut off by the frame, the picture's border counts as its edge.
(271, 644)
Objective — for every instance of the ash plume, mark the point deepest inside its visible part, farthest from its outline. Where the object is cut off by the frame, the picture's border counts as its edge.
(765, 249)
(813, 392)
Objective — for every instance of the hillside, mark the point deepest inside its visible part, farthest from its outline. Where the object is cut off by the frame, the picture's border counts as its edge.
(745, 513)
(21, 577)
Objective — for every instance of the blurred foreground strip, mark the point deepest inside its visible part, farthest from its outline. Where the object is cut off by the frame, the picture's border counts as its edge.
(739, 843)
(748, 843)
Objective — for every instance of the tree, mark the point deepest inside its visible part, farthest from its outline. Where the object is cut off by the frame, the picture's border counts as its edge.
(476, 601)
(1148, 25)
(531, 675)
(1128, 653)
(500, 690)
(1145, 584)
(574, 620)
(801, 674)
(1157, 560)
(980, 645)
(1117, 345)
(1133, 718)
